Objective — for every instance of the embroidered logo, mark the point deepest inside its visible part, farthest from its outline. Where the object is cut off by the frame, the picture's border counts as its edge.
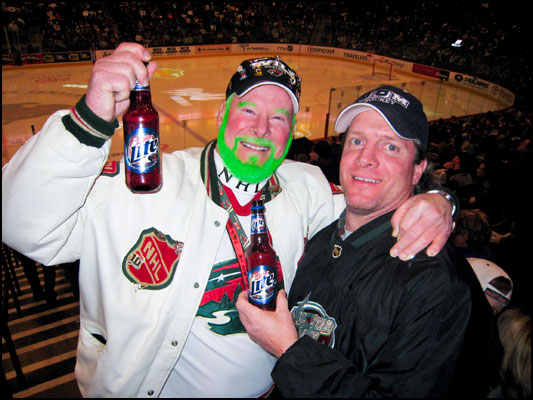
(218, 303)
(153, 260)
(385, 96)
(337, 251)
(111, 168)
(335, 189)
(311, 319)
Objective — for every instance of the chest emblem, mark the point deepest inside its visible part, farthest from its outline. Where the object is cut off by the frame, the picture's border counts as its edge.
(311, 319)
(337, 251)
(153, 260)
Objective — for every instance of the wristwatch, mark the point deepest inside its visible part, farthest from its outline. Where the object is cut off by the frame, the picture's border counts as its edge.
(449, 197)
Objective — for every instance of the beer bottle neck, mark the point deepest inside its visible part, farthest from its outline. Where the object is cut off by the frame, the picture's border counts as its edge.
(259, 238)
(141, 96)
(259, 228)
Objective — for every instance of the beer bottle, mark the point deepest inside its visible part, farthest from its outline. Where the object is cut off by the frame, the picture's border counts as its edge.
(141, 142)
(261, 260)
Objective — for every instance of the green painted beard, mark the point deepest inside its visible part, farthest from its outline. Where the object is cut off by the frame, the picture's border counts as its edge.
(249, 171)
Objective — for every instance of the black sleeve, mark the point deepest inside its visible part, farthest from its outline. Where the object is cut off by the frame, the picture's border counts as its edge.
(309, 369)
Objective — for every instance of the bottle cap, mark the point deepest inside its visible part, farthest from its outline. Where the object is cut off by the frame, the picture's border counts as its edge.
(138, 86)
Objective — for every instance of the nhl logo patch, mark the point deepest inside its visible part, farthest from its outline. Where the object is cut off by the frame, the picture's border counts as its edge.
(153, 260)
(335, 189)
(111, 168)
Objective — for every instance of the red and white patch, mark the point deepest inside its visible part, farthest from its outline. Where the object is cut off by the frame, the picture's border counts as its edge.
(153, 260)
(111, 168)
(335, 189)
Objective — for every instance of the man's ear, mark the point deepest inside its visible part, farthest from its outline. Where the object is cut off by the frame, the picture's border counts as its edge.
(419, 170)
(221, 112)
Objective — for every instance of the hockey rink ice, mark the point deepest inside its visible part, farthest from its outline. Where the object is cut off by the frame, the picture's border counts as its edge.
(187, 93)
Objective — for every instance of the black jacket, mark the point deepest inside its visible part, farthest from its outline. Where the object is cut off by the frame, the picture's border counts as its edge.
(384, 327)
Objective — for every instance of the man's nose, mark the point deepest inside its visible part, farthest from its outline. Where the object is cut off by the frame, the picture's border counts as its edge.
(367, 156)
(261, 127)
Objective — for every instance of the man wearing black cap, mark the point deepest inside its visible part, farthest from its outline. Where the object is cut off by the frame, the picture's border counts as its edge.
(365, 324)
(160, 273)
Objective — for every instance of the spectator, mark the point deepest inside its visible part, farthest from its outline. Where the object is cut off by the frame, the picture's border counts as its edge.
(472, 233)
(495, 282)
(515, 372)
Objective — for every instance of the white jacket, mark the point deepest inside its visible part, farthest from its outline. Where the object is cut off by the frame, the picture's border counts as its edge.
(57, 208)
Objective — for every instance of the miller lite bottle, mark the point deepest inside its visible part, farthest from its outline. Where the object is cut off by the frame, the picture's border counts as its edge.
(141, 142)
(261, 260)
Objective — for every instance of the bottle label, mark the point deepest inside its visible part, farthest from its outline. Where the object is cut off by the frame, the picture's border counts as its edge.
(141, 150)
(258, 224)
(262, 284)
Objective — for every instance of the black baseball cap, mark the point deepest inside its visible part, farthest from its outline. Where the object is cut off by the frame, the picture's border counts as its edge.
(403, 112)
(266, 71)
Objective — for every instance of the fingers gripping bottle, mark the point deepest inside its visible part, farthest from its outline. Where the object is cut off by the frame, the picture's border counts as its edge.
(261, 260)
(141, 142)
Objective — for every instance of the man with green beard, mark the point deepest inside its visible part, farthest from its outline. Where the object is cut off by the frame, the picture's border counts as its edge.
(160, 273)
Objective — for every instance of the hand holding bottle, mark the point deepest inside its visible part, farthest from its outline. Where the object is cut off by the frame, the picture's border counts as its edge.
(274, 331)
(114, 76)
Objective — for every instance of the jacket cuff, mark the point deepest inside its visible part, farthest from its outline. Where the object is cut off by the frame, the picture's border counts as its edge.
(88, 127)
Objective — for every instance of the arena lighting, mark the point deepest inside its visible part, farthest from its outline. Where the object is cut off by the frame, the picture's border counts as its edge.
(457, 43)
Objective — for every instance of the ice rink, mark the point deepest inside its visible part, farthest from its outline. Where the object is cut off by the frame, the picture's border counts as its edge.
(187, 93)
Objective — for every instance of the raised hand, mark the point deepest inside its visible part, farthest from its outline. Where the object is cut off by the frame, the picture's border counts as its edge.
(114, 76)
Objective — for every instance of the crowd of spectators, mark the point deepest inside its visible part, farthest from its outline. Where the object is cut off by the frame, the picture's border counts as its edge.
(62, 26)
(486, 39)
(487, 160)
(489, 37)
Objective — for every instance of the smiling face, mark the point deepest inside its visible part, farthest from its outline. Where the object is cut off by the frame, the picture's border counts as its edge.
(377, 169)
(255, 132)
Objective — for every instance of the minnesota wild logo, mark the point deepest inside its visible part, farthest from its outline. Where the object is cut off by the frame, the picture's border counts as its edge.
(218, 303)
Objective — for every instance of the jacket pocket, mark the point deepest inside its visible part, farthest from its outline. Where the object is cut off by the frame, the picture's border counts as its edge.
(90, 349)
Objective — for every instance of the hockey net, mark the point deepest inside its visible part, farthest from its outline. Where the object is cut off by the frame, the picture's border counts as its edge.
(382, 69)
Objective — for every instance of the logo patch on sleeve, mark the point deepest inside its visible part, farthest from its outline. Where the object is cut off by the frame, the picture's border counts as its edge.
(111, 168)
(311, 319)
(153, 260)
(335, 189)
